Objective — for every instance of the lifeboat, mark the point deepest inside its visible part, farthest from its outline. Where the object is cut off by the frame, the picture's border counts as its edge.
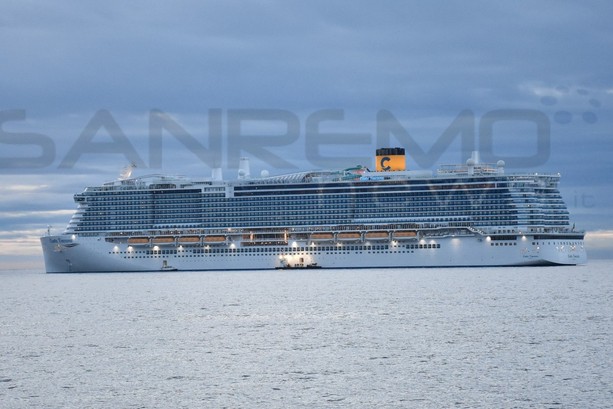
(163, 240)
(405, 235)
(348, 236)
(377, 235)
(214, 239)
(189, 240)
(328, 236)
(138, 241)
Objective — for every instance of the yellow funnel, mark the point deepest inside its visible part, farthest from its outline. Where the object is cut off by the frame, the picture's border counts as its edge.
(390, 159)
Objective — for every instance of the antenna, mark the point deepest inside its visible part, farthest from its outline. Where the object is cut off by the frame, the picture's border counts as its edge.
(126, 172)
(243, 169)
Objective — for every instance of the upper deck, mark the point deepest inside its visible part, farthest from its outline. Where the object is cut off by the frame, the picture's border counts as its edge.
(474, 194)
(353, 175)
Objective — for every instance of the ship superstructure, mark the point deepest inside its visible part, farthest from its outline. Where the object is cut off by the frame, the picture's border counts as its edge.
(472, 214)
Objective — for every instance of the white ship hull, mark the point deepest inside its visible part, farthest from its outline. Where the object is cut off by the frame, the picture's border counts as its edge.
(68, 254)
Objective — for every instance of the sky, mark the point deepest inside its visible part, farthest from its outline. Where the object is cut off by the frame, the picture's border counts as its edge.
(87, 87)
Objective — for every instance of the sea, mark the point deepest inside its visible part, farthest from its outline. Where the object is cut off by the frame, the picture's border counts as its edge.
(532, 337)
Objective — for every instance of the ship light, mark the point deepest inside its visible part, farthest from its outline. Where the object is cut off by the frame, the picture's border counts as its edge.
(130, 249)
(116, 249)
(233, 246)
(156, 248)
(74, 237)
(523, 238)
(488, 238)
(294, 244)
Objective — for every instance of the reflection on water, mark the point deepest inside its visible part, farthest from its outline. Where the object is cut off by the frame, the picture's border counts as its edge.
(484, 337)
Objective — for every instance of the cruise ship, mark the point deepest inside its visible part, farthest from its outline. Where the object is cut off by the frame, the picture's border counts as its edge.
(472, 214)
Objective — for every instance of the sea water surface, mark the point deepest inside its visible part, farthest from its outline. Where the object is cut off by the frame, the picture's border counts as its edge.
(432, 338)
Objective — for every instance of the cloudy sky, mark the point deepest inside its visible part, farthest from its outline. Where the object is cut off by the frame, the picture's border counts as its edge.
(179, 87)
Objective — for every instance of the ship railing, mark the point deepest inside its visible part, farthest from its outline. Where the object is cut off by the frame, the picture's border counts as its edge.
(491, 169)
(479, 168)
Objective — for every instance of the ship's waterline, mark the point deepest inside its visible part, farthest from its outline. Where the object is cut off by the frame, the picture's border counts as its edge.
(464, 215)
